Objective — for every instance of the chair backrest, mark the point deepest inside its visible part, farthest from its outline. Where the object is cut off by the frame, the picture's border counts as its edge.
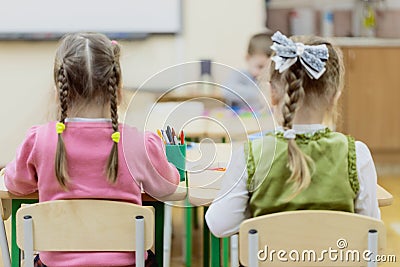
(85, 225)
(311, 238)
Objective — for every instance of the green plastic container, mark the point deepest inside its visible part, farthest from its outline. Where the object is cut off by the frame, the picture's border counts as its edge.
(176, 154)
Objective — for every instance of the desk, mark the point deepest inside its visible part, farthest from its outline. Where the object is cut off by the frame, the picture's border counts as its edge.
(189, 91)
(178, 97)
(383, 196)
(203, 193)
(204, 186)
(228, 128)
(10, 203)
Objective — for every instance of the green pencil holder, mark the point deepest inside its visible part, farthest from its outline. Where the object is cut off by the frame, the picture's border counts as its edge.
(176, 154)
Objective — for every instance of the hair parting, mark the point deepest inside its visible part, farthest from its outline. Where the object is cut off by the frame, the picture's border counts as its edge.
(89, 63)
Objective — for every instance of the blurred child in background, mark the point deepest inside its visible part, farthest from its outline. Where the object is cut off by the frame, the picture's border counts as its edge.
(242, 91)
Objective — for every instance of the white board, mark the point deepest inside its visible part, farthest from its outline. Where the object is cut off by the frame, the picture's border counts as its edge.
(48, 18)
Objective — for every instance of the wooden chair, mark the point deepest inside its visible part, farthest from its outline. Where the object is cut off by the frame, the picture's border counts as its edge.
(301, 233)
(85, 225)
(5, 208)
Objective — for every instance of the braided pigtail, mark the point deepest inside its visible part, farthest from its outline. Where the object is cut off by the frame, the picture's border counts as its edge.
(61, 158)
(298, 161)
(112, 163)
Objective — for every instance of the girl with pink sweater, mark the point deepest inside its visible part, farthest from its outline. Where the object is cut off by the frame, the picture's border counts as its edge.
(87, 153)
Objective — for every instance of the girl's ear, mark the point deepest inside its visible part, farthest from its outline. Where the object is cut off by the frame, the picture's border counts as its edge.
(337, 96)
(275, 97)
(119, 96)
(55, 94)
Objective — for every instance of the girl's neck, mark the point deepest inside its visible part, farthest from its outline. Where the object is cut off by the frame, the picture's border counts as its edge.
(90, 110)
(308, 116)
(303, 116)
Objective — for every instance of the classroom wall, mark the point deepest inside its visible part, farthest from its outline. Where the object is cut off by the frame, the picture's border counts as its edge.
(218, 30)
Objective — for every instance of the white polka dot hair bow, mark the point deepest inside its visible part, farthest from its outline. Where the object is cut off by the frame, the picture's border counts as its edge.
(312, 57)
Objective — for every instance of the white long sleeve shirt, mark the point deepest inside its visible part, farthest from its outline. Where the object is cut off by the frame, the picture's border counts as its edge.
(229, 209)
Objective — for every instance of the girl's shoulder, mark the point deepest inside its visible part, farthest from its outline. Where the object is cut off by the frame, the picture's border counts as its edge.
(128, 129)
(37, 135)
(318, 135)
(363, 153)
(41, 128)
(275, 142)
(134, 135)
(49, 128)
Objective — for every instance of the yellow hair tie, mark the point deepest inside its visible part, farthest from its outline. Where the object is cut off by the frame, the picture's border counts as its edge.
(60, 127)
(115, 137)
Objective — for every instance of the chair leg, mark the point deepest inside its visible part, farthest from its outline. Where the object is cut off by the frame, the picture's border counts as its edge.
(187, 252)
(253, 248)
(4, 246)
(28, 241)
(234, 251)
(139, 241)
(215, 251)
(225, 252)
(196, 218)
(206, 241)
(167, 234)
(373, 247)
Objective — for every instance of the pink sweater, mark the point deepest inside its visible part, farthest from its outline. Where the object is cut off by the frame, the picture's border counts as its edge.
(142, 162)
